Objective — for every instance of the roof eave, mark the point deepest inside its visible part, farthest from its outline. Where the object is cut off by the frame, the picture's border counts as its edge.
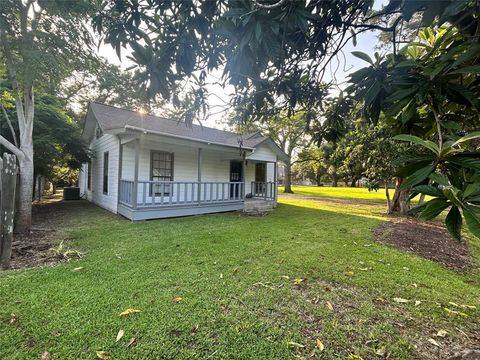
(153, 132)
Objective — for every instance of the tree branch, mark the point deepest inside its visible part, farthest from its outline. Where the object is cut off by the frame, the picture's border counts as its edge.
(10, 147)
(9, 124)
(271, 6)
(12, 74)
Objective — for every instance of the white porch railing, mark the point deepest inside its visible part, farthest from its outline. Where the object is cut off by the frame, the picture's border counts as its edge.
(264, 189)
(173, 193)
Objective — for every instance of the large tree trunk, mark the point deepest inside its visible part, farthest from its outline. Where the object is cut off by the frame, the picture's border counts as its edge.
(319, 178)
(387, 195)
(399, 202)
(23, 219)
(334, 178)
(288, 178)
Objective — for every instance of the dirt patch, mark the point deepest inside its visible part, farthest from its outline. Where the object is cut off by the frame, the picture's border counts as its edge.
(430, 240)
(46, 243)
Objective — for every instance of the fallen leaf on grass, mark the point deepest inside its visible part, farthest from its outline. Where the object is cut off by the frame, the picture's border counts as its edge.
(297, 281)
(129, 311)
(56, 333)
(400, 300)
(13, 318)
(366, 269)
(103, 355)
(320, 345)
(120, 335)
(441, 333)
(132, 342)
(433, 342)
(78, 268)
(329, 305)
(46, 356)
(348, 273)
(354, 357)
(177, 299)
(471, 307)
(454, 312)
(294, 344)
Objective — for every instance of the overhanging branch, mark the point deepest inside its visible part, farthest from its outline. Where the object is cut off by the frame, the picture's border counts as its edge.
(10, 147)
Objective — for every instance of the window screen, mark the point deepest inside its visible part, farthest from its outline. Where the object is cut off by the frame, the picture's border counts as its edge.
(162, 170)
(105, 172)
(89, 175)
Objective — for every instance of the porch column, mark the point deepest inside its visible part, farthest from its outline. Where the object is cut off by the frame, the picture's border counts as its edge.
(135, 173)
(243, 180)
(275, 180)
(120, 163)
(199, 174)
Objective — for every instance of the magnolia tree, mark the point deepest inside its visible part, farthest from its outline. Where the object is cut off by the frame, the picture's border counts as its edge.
(429, 92)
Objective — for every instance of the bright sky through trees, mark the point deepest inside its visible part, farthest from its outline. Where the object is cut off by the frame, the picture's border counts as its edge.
(219, 96)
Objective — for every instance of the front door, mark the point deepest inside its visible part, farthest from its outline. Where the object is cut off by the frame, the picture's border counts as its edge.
(260, 179)
(260, 172)
(236, 175)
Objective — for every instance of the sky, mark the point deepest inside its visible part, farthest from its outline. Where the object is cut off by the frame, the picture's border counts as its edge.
(217, 118)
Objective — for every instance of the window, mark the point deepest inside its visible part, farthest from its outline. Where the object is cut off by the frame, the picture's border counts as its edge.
(105, 172)
(161, 170)
(89, 175)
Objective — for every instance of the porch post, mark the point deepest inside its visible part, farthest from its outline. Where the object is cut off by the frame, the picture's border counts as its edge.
(135, 174)
(275, 180)
(243, 180)
(120, 163)
(199, 175)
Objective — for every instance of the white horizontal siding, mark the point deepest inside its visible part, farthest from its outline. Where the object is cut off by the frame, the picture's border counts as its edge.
(215, 167)
(99, 146)
(263, 153)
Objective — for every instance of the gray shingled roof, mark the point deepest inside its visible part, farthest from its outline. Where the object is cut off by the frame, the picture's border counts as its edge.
(113, 118)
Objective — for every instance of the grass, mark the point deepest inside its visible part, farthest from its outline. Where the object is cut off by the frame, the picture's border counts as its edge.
(358, 193)
(251, 288)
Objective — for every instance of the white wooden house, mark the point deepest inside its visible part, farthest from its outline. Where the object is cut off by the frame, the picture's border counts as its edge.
(148, 167)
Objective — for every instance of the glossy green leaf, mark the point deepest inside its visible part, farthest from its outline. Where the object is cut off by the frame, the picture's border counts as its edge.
(471, 190)
(363, 56)
(439, 179)
(467, 162)
(418, 176)
(473, 222)
(453, 222)
(428, 190)
(467, 70)
(471, 136)
(416, 140)
(433, 208)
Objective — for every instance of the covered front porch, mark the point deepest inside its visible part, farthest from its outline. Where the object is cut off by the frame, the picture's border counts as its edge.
(162, 177)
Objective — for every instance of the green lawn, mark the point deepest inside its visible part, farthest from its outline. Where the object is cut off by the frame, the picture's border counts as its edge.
(251, 288)
(340, 192)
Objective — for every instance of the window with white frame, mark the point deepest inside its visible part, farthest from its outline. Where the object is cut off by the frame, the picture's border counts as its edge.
(161, 170)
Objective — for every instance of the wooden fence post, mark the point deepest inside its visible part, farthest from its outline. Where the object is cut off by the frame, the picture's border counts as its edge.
(7, 207)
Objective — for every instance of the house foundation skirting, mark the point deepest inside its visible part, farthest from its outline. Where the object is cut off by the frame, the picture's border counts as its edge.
(147, 213)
